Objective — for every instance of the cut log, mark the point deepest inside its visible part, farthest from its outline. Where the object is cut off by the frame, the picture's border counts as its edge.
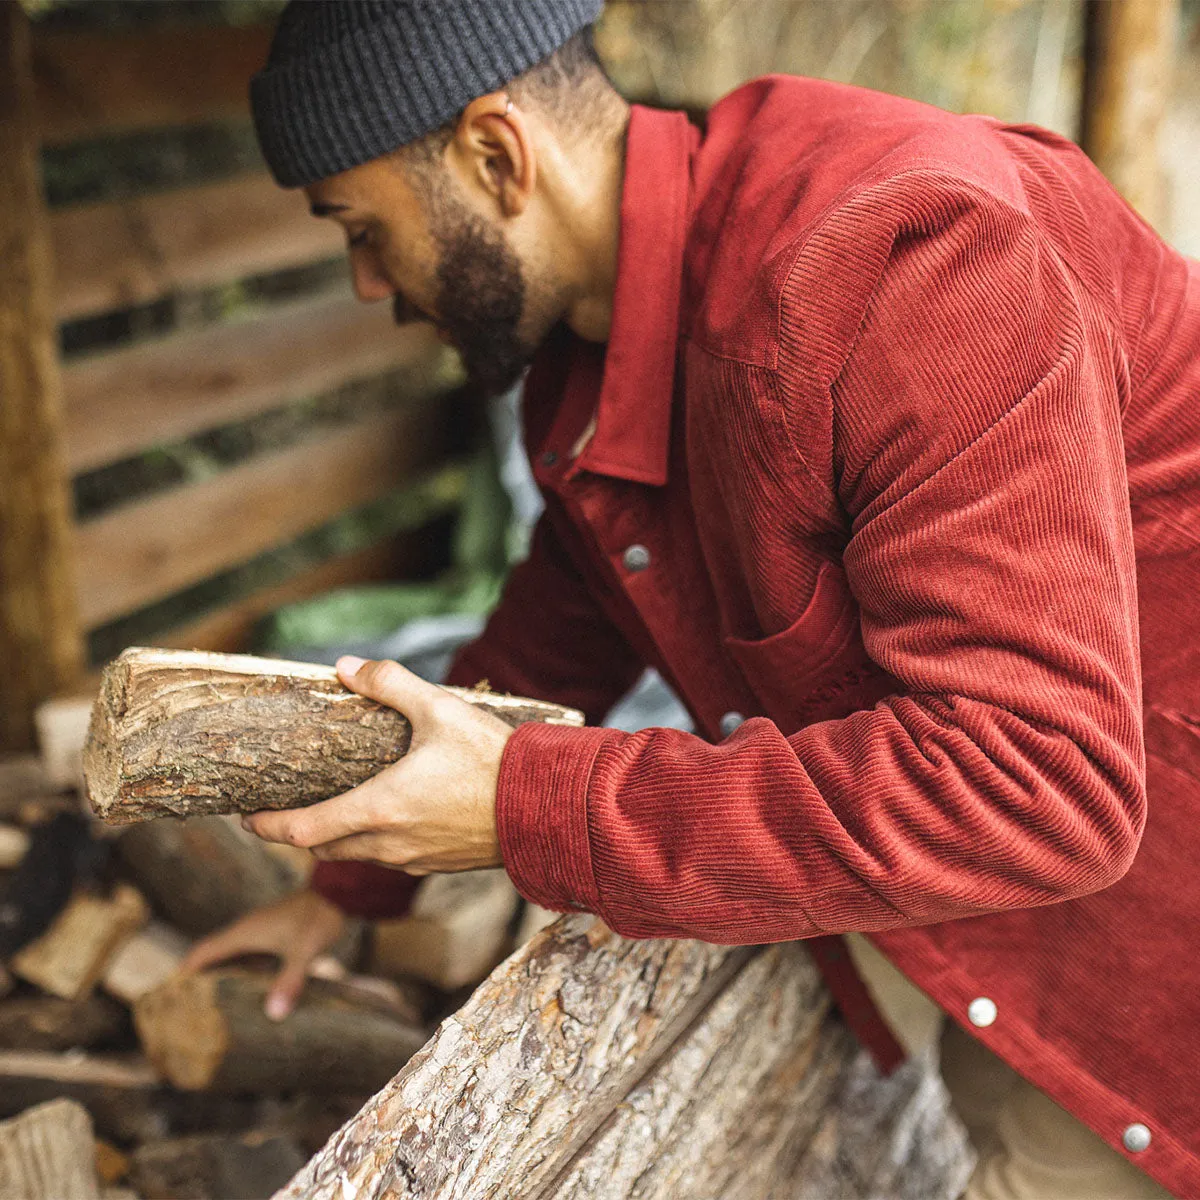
(62, 726)
(209, 1032)
(181, 734)
(14, 843)
(203, 873)
(123, 1093)
(26, 795)
(458, 930)
(46, 1154)
(216, 1168)
(71, 955)
(591, 1066)
(146, 961)
(50, 1023)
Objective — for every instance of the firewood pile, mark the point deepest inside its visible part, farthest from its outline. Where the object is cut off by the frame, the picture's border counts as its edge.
(121, 1077)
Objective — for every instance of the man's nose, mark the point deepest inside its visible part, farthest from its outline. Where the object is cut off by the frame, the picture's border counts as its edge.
(370, 284)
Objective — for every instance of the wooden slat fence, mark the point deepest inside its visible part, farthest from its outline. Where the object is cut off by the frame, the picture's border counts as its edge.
(115, 404)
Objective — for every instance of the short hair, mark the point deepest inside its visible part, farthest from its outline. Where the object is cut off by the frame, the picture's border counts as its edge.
(570, 86)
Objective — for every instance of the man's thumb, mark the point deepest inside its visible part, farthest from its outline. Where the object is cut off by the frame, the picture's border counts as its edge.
(388, 683)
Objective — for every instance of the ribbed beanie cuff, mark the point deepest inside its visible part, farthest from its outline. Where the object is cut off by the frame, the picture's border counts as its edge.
(349, 80)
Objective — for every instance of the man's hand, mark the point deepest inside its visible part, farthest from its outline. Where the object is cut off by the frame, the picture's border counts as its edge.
(296, 929)
(433, 810)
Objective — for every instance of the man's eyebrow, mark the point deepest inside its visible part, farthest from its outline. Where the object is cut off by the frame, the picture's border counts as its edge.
(327, 210)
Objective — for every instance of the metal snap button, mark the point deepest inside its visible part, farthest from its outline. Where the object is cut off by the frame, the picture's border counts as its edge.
(981, 1012)
(730, 721)
(636, 557)
(1136, 1138)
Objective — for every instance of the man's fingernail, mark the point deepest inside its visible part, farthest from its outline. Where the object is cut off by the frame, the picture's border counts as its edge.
(277, 1008)
(349, 664)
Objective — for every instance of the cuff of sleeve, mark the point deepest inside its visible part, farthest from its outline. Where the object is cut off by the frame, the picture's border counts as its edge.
(541, 814)
(364, 889)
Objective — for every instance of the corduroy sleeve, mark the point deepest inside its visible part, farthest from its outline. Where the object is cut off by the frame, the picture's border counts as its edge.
(549, 640)
(973, 401)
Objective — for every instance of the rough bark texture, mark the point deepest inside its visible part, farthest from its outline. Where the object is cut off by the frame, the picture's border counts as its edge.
(46, 1154)
(588, 1065)
(180, 734)
(209, 1032)
(205, 872)
(215, 1168)
(40, 643)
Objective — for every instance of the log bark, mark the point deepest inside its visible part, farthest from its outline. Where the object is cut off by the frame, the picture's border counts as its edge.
(181, 734)
(209, 1032)
(214, 1167)
(203, 873)
(46, 1154)
(591, 1066)
(50, 1023)
(69, 958)
(123, 1093)
(40, 642)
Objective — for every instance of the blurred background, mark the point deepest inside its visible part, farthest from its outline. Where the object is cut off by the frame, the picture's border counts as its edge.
(209, 435)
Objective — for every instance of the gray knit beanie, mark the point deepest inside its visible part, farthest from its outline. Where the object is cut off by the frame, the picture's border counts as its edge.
(349, 80)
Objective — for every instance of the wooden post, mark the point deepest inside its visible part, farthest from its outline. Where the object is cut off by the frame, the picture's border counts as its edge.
(41, 648)
(1130, 57)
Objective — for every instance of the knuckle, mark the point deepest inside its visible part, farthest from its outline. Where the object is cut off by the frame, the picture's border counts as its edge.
(383, 673)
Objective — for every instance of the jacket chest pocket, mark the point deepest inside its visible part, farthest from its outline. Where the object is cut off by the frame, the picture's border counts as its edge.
(817, 668)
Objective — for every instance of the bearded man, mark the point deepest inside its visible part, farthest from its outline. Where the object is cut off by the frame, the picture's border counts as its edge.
(875, 430)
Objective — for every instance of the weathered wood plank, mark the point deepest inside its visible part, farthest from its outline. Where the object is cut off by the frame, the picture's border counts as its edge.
(131, 251)
(143, 552)
(179, 733)
(40, 643)
(128, 400)
(1127, 84)
(231, 628)
(97, 82)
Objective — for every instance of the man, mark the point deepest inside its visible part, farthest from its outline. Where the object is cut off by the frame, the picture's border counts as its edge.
(875, 430)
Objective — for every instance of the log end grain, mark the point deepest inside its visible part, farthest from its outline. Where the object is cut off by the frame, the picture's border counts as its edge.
(182, 1030)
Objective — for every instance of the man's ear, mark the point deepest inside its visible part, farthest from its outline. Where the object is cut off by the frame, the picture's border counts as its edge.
(493, 151)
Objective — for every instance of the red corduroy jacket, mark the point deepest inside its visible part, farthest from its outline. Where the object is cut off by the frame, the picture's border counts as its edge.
(897, 440)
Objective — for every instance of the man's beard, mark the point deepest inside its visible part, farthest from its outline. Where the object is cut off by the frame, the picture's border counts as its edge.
(481, 295)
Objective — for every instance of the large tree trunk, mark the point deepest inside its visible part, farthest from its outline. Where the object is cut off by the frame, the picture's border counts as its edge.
(592, 1066)
(183, 733)
(208, 1032)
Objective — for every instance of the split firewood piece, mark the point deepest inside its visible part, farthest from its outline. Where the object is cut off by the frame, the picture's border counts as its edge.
(39, 1022)
(208, 1167)
(182, 733)
(14, 842)
(146, 961)
(46, 1154)
(123, 1093)
(26, 793)
(208, 1031)
(458, 930)
(71, 955)
(62, 726)
(204, 872)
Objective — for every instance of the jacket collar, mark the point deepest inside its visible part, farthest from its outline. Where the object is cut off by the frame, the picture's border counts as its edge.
(633, 414)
